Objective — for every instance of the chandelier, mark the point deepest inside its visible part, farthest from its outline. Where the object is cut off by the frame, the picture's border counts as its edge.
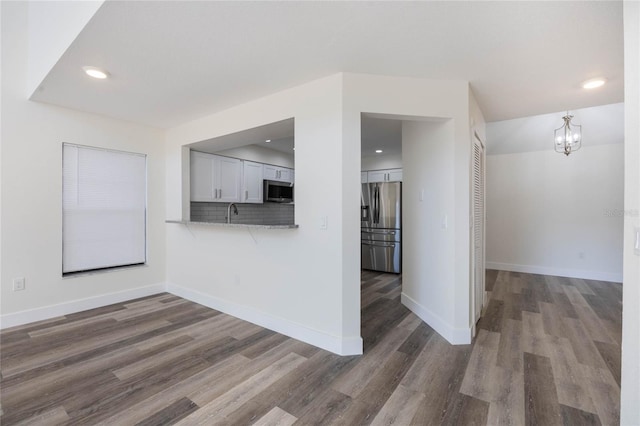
(568, 138)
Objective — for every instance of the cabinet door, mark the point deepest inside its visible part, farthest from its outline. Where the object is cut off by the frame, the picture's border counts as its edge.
(228, 172)
(202, 177)
(363, 177)
(394, 175)
(270, 172)
(285, 175)
(252, 182)
(280, 174)
(377, 176)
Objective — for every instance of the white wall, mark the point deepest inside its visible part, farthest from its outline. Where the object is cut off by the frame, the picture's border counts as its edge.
(630, 394)
(260, 154)
(32, 136)
(288, 280)
(306, 282)
(557, 215)
(428, 263)
(379, 162)
(411, 98)
(52, 28)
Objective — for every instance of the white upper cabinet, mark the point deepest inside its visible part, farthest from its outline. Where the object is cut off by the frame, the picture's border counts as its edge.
(394, 175)
(252, 182)
(389, 175)
(280, 174)
(202, 177)
(215, 178)
(229, 178)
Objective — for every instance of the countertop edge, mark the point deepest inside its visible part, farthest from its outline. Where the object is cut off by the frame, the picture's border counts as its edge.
(232, 225)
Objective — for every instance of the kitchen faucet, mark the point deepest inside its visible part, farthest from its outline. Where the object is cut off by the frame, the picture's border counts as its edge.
(235, 211)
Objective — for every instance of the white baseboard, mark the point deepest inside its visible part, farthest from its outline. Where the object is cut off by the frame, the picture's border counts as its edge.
(558, 272)
(73, 306)
(335, 344)
(455, 336)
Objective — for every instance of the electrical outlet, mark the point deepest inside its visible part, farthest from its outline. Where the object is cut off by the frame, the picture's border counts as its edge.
(581, 255)
(18, 284)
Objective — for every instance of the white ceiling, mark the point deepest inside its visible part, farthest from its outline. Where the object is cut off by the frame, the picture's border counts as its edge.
(600, 125)
(380, 133)
(377, 133)
(172, 62)
(280, 133)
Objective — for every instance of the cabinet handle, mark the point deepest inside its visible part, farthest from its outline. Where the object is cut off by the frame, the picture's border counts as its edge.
(220, 193)
(246, 195)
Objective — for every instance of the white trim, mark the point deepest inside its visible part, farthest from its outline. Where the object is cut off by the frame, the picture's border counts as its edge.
(455, 336)
(558, 272)
(335, 344)
(73, 306)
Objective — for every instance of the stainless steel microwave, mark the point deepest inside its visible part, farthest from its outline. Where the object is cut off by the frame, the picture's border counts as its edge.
(278, 192)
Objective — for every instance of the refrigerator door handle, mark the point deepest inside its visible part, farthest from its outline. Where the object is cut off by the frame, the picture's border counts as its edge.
(376, 200)
(378, 244)
(378, 215)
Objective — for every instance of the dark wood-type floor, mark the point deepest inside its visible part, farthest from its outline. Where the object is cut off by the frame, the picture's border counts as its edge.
(547, 352)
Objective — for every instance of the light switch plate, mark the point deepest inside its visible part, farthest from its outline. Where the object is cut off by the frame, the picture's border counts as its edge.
(323, 222)
(18, 284)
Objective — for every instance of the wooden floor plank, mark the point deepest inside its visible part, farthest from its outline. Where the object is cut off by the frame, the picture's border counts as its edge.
(507, 403)
(399, 408)
(466, 410)
(170, 414)
(510, 347)
(541, 401)
(477, 380)
(276, 417)
(611, 355)
(574, 416)
(235, 397)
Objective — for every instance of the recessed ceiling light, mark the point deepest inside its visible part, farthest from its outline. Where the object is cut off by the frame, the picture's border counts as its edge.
(378, 151)
(268, 140)
(593, 83)
(96, 72)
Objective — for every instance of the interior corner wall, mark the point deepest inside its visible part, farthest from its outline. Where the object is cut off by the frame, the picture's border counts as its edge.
(418, 99)
(556, 215)
(289, 280)
(32, 137)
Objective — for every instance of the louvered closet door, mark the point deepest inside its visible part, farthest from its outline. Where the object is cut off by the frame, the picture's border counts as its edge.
(478, 227)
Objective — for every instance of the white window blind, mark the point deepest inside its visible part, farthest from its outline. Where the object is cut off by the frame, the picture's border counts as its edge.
(104, 208)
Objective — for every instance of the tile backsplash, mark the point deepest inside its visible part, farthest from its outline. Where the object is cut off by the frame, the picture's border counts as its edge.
(252, 214)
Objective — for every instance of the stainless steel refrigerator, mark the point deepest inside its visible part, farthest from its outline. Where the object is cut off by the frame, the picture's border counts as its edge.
(381, 226)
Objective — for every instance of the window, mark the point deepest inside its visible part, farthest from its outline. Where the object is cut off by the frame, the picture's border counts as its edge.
(103, 209)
